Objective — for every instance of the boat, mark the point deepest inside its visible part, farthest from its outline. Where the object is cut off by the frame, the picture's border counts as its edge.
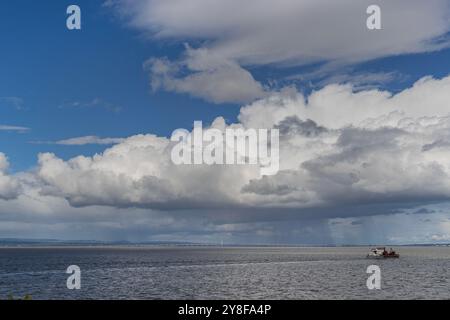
(382, 253)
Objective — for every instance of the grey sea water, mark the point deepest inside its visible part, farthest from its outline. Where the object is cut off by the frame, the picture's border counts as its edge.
(223, 273)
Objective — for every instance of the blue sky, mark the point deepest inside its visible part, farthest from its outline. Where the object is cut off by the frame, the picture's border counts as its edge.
(150, 67)
(50, 68)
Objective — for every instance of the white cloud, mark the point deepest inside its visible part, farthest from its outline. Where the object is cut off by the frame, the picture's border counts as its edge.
(338, 149)
(215, 81)
(235, 34)
(9, 186)
(337, 106)
(14, 128)
(342, 154)
(81, 141)
(263, 31)
(440, 237)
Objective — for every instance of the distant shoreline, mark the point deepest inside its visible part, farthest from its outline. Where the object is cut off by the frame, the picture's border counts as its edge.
(51, 243)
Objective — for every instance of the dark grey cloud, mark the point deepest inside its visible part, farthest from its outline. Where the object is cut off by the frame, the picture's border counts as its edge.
(295, 126)
(268, 186)
(436, 145)
(424, 211)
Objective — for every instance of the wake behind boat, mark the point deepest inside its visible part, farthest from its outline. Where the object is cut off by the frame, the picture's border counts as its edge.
(382, 253)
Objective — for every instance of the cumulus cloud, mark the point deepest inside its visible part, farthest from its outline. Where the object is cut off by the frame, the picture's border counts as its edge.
(232, 34)
(340, 151)
(343, 153)
(138, 172)
(337, 106)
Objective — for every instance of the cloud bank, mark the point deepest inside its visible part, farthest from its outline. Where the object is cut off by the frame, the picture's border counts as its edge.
(340, 151)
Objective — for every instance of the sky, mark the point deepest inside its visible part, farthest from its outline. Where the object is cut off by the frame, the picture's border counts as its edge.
(86, 118)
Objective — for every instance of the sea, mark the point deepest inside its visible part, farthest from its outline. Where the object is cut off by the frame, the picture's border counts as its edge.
(194, 272)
